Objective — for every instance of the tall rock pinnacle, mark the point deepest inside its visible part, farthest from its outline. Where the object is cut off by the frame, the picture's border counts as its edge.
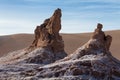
(47, 34)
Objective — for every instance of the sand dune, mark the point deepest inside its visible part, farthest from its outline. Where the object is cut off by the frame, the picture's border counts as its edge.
(72, 42)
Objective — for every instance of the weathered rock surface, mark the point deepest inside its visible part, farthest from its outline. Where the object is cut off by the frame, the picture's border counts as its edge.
(92, 61)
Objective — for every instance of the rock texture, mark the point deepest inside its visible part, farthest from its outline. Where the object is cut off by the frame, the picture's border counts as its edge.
(92, 61)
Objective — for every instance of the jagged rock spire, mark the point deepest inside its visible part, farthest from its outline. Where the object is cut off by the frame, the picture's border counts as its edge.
(47, 34)
(54, 24)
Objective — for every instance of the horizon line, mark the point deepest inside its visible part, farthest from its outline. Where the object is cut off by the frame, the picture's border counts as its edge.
(59, 32)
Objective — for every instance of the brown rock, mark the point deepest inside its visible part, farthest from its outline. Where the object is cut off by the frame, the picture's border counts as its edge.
(47, 34)
(99, 35)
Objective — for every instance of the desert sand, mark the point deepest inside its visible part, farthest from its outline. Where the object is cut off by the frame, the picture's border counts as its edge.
(14, 42)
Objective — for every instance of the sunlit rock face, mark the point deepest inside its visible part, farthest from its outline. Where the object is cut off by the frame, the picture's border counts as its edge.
(43, 59)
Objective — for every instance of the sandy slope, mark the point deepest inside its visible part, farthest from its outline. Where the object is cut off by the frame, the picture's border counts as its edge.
(72, 42)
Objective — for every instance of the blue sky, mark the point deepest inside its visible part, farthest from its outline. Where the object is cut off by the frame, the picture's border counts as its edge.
(22, 16)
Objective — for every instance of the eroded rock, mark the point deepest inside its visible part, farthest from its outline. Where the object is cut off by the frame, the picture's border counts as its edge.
(47, 34)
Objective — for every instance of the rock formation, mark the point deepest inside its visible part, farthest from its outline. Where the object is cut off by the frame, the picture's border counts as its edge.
(92, 61)
(47, 47)
(47, 34)
(100, 35)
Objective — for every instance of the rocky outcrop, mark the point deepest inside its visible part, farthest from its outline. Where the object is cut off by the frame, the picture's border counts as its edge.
(47, 34)
(92, 61)
(47, 47)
